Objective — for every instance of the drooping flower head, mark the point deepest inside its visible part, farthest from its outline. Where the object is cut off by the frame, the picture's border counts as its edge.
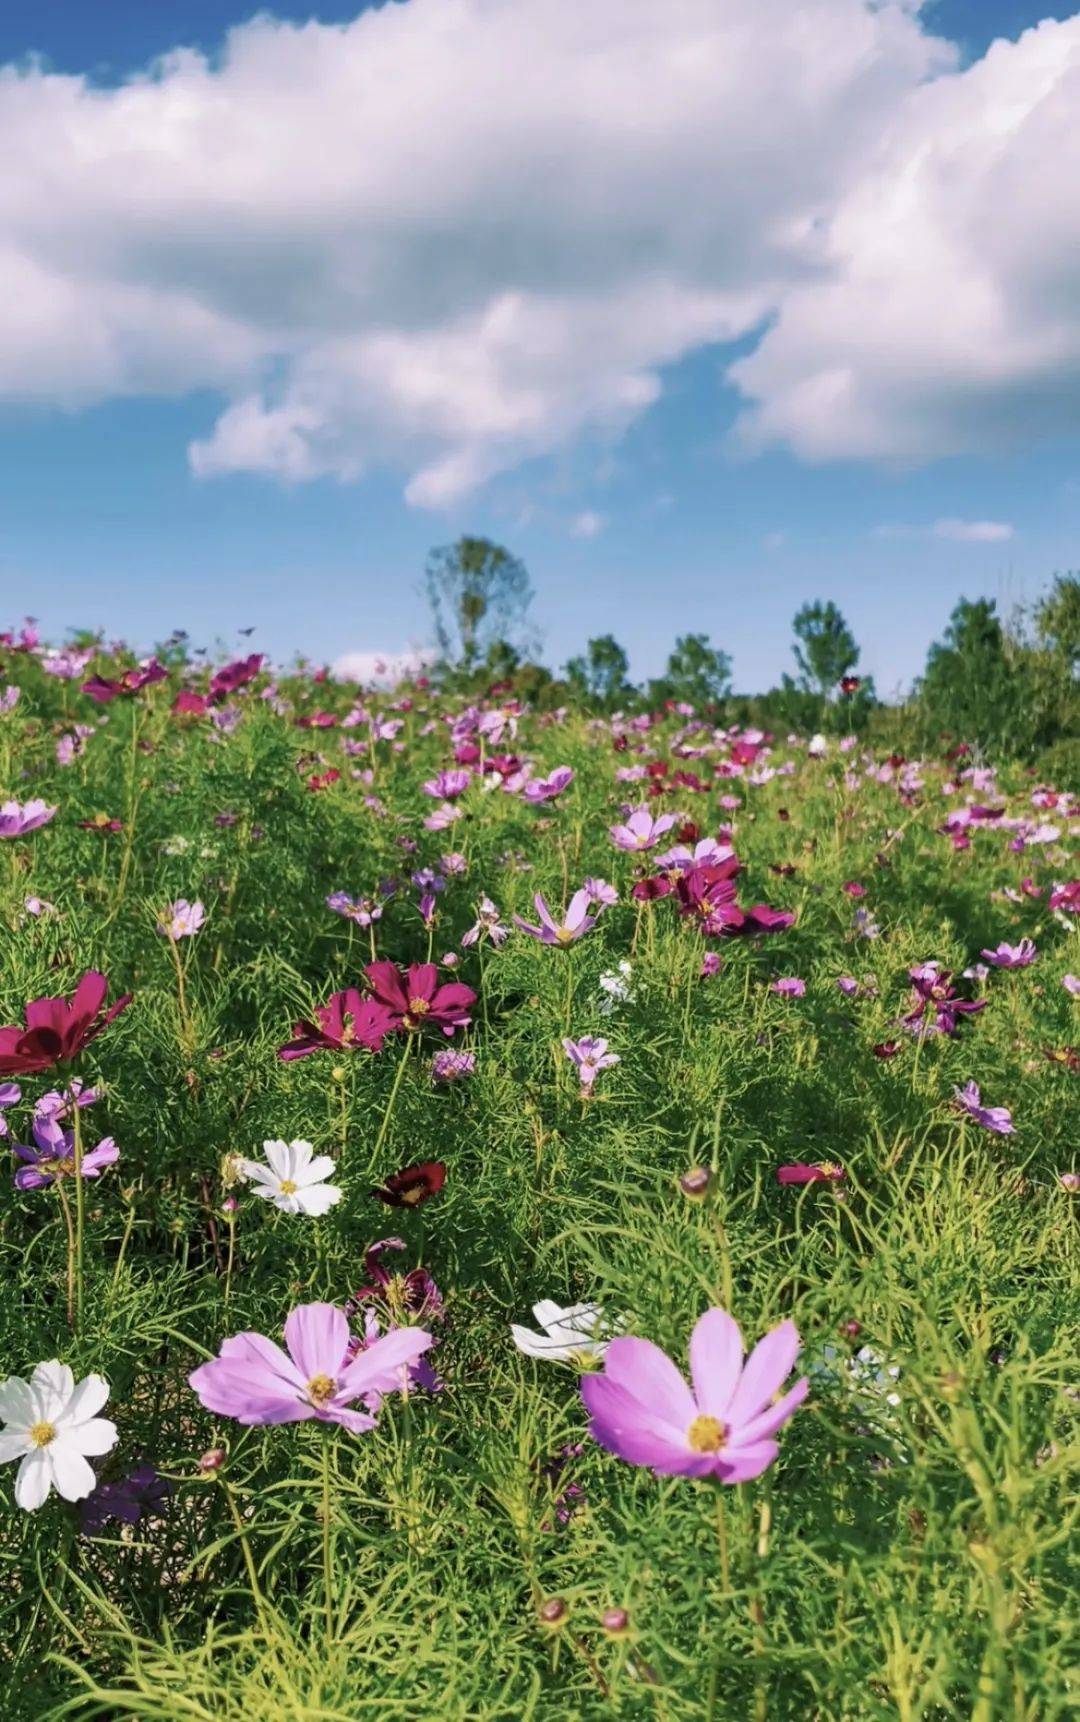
(19, 818)
(574, 1335)
(315, 1377)
(642, 1410)
(58, 1029)
(347, 1023)
(996, 1119)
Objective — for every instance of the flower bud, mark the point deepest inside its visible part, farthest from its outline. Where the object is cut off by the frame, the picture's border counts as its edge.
(1070, 1181)
(229, 1205)
(851, 1329)
(212, 1459)
(615, 1621)
(451, 960)
(696, 1182)
(554, 1611)
(338, 1073)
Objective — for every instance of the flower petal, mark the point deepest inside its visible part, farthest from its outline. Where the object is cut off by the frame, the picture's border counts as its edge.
(716, 1357)
(767, 1368)
(650, 1377)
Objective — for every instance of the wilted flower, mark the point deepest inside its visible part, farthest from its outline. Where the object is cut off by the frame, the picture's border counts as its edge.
(292, 1179)
(413, 1185)
(256, 1382)
(19, 818)
(569, 1335)
(1011, 956)
(450, 1066)
(53, 1427)
(1071, 983)
(642, 1410)
(995, 1118)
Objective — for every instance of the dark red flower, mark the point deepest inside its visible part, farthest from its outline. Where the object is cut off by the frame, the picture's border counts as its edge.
(415, 1000)
(825, 1173)
(413, 1185)
(850, 684)
(887, 1049)
(102, 690)
(350, 1021)
(235, 675)
(58, 1029)
(647, 890)
(323, 780)
(101, 822)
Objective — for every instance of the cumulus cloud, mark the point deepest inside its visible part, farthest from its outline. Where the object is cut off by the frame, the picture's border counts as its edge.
(382, 669)
(455, 235)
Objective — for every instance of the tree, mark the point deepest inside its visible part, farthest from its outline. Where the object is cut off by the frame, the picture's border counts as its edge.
(825, 648)
(479, 593)
(601, 675)
(1057, 620)
(696, 672)
(971, 689)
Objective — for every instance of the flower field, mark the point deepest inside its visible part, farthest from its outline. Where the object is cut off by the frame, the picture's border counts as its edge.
(526, 1214)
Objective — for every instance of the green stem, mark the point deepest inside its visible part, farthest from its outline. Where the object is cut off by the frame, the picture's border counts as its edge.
(249, 1559)
(66, 1210)
(398, 1074)
(327, 1545)
(80, 1206)
(722, 1540)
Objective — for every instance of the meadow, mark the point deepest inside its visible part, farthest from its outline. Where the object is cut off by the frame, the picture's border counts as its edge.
(839, 1090)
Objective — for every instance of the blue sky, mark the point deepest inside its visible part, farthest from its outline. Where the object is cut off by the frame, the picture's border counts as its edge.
(646, 519)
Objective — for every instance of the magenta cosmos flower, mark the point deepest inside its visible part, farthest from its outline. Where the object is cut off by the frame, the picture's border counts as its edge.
(102, 690)
(1011, 956)
(576, 923)
(826, 1172)
(640, 830)
(547, 788)
(57, 1030)
(789, 987)
(16, 818)
(253, 1380)
(642, 1410)
(347, 1023)
(415, 1000)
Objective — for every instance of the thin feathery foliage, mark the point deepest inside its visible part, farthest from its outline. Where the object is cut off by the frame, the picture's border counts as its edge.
(477, 1555)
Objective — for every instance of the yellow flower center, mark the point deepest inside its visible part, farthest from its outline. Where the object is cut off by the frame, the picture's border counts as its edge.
(415, 1194)
(706, 1435)
(564, 936)
(42, 1433)
(419, 1007)
(320, 1388)
(287, 1187)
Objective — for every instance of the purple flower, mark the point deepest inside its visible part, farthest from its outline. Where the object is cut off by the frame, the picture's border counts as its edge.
(848, 985)
(18, 818)
(487, 925)
(450, 1066)
(711, 964)
(255, 1381)
(641, 831)
(937, 1008)
(789, 987)
(547, 788)
(1071, 983)
(10, 1095)
(576, 924)
(448, 785)
(600, 892)
(362, 910)
(590, 1055)
(54, 1155)
(141, 1494)
(995, 1118)
(1011, 956)
(642, 1410)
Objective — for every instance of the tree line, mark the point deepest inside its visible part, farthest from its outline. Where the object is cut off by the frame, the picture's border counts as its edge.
(1005, 686)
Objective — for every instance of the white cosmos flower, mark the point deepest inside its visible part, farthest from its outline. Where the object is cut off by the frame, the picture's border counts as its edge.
(570, 1335)
(51, 1425)
(291, 1179)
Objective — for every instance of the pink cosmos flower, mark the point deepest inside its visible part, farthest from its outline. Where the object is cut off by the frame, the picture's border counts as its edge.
(997, 1119)
(19, 818)
(236, 675)
(789, 987)
(53, 1155)
(547, 788)
(1071, 983)
(590, 1056)
(182, 919)
(101, 690)
(450, 1066)
(1011, 956)
(711, 964)
(487, 926)
(642, 1410)
(641, 831)
(256, 1382)
(601, 893)
(576, 924)
(448, 785)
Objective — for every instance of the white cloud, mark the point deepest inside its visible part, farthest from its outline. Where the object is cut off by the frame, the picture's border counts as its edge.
(587, 524)
(960, 531)
(455, 235)
(384, 669)
(974, 531)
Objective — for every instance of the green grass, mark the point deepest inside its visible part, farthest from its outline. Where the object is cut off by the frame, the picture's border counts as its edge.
(906, 1561)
